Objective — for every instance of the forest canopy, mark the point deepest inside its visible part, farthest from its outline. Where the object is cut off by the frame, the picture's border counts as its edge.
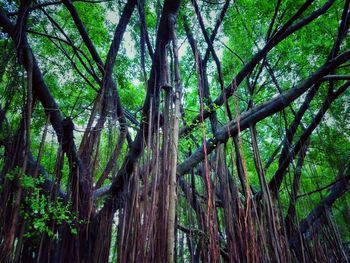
(174, 131)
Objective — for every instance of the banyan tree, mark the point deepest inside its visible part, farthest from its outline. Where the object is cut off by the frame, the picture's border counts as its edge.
(174, 131)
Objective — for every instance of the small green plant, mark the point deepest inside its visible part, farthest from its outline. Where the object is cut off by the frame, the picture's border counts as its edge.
(40, 212)
(11, 175)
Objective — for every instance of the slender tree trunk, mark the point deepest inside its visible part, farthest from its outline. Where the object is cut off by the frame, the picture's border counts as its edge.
(173, 155)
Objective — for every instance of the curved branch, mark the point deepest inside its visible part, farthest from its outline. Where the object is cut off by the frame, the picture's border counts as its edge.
(281, 34)
(260, 112)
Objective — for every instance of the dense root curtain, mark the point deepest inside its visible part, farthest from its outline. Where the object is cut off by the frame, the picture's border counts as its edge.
(182, 177)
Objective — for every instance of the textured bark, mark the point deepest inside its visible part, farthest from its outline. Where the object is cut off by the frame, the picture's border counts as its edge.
(174, 139)
(157, 78)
